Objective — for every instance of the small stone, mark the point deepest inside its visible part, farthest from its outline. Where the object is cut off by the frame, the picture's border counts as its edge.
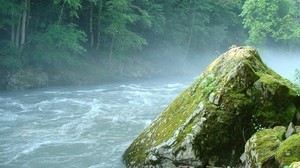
(153, 158)
(290, 130)
(243, 158)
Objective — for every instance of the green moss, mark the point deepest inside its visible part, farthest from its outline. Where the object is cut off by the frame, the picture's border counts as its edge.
(262, 146)
(294, 165)
(176, 114)
(165, 125)
(289, 150)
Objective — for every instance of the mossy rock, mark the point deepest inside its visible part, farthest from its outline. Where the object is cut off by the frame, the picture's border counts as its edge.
(289, 150)
(210, 121)
(269, 149)
(27, 79)
(293, 165)
(261, 148)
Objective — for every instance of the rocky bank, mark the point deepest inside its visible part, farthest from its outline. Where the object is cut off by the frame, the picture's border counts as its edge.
(209, 123)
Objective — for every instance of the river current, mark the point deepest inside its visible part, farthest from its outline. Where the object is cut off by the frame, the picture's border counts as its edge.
(78, 127)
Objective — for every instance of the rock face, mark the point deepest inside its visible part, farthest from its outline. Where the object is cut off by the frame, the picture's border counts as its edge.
(270, 148)
(27, 79)
(209, 123)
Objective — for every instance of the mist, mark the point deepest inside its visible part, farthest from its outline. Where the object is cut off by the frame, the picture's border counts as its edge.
(283, 62)
(172, 62)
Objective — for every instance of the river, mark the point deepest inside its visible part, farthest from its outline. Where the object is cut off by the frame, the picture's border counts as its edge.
(86, 126)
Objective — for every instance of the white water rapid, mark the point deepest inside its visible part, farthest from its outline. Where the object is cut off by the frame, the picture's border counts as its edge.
(78, 127)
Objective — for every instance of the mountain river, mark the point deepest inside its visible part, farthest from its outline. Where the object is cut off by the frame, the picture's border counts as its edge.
(78, 127)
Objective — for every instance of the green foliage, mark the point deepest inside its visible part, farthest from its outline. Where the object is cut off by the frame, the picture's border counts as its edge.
(9, 60)
(9, 12)
(121, 16)
(74, 6)
(206, 23)
(57, 47)
(157, 17)
(271, 19)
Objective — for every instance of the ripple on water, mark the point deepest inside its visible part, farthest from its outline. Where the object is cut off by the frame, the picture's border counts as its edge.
(77, 127)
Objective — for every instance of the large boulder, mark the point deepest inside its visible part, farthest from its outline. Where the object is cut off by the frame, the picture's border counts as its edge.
(209, 123)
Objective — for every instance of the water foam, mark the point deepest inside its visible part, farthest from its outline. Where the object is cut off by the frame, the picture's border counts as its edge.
(78, 127)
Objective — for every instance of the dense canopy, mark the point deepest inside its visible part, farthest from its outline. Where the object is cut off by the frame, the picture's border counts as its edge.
(99, 35)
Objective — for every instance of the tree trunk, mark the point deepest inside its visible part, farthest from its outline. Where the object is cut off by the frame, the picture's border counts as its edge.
(61, 12)
(99, 24)
(28, 16)
(13, 29)
(91, 25)
(23, 30)
(36, 25)
(111, 48)
(190, 34)
(17, 37)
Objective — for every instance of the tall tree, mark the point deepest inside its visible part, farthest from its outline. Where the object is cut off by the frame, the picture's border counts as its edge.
(23, 25)
(9, 14)
(73, 6)
(91, 24)
(121, 15)
(56, 48)
(99, 19)
(201, 25)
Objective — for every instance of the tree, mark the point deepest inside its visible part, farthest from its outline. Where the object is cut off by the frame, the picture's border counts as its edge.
(57, 48)
(12, 22)
(23, 25)
(121, 15)
(74, 6)
(275, 19)
(99, 19)
(9, 14)
(15, 16)
(197, 26)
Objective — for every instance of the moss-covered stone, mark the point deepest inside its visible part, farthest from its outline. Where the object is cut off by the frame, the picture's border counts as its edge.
(210, 121)
(289, 150)
(27, 79)
(294, 165)
(261, 148)
(269, 148)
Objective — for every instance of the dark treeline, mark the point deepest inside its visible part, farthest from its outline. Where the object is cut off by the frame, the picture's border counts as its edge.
(101, 37)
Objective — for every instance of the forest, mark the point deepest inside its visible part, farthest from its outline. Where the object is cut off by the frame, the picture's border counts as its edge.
(89, 41)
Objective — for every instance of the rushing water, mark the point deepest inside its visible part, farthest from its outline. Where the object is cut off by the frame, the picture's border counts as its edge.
(78, 126)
